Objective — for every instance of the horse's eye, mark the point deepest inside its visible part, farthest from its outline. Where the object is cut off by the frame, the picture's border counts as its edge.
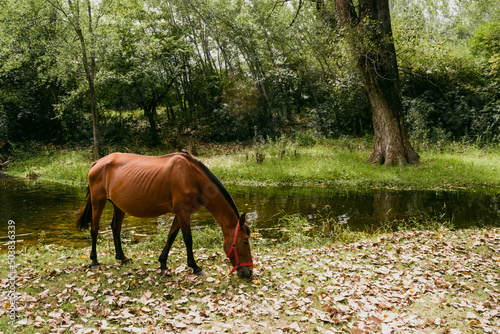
(245, 243)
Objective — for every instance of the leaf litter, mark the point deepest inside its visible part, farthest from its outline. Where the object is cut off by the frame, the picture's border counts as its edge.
(405, 282)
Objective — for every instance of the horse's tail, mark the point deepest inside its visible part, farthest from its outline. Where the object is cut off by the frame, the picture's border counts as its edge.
(85, 216)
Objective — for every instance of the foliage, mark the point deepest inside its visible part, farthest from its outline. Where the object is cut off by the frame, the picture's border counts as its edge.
(485, 42)
(26, 111)
(175, 72)
(345, 112)
(447, 90)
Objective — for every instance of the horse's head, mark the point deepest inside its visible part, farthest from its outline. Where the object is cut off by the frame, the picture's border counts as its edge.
(238, 249)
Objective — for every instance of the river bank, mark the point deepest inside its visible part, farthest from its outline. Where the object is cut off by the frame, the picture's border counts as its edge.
(409, 281)
(338, 163)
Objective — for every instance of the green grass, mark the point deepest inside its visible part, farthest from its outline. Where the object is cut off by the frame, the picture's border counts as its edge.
(67, 166)
(338, 163)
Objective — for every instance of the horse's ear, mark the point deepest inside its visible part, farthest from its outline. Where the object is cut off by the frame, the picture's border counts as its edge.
(243, 223)
(243, 220)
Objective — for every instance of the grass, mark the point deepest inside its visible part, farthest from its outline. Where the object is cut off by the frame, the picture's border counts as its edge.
(340, 163)
(296, 230)
(69, 166)
(416, 281)
(337, 164)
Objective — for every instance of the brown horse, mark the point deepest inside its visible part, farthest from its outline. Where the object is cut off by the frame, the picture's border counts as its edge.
(178, 183)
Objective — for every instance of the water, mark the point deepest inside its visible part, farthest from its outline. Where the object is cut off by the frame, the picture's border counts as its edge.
(45, 212)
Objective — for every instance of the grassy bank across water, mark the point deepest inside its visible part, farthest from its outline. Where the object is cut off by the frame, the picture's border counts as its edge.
(410, 281)
(68, 166)
(338, 163)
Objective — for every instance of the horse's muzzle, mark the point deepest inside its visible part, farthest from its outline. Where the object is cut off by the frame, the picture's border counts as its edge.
(244, 272)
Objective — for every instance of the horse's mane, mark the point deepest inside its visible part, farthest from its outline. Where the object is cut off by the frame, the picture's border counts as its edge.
(217, 183)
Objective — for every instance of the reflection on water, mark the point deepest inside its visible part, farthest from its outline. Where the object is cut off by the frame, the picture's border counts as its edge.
(45, 212)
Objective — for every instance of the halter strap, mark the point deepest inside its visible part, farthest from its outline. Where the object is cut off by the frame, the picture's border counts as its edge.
(233, 249)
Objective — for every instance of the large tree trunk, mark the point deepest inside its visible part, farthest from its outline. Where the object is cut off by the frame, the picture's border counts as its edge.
(368, 30)
(391, 144)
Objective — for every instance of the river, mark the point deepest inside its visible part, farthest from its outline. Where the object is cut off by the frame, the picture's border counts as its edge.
(45, 212)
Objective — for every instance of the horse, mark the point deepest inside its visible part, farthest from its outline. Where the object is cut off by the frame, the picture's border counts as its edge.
(151, 186)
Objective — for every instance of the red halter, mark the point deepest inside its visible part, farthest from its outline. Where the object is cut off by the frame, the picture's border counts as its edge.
(233, 248)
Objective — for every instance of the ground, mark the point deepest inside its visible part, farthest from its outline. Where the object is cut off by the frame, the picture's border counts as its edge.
(439, 281)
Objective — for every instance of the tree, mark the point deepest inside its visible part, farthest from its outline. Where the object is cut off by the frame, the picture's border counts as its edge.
(140, 64)
(80, 17)
(367, 27)
(485, 42)
(26, 88)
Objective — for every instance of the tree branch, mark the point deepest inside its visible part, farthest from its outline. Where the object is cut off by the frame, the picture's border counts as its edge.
(102, 10)
(301, 2)
(280, 2)
(59, 8)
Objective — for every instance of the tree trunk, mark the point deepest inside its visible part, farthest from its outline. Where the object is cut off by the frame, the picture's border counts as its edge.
(90, 75)
(91, 79)
(150, 113)
(95, 122)
(73, 18)
(149, 107)
(369, 33)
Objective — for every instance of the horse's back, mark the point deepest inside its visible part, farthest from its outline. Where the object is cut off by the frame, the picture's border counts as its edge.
(144, 186)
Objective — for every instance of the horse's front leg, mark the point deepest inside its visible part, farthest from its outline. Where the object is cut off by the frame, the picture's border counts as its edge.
(174, 229)
(185, 225)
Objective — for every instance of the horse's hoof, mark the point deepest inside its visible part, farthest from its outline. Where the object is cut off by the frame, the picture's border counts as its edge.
(201, 273)
(93, 265)
(127, 260)
(165, 272)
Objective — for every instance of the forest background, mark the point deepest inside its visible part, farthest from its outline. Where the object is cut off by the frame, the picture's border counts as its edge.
(173, 74)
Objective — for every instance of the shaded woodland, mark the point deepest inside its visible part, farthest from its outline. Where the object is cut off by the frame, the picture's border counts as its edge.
(170, 73)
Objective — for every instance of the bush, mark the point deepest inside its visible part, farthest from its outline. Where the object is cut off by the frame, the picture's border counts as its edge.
(346, 112)
(486, 123)
(453, 105)
(305, 137)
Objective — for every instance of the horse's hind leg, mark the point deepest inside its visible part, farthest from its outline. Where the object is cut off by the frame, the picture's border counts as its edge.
(174, 229)
(97, 207)
(116, 226)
